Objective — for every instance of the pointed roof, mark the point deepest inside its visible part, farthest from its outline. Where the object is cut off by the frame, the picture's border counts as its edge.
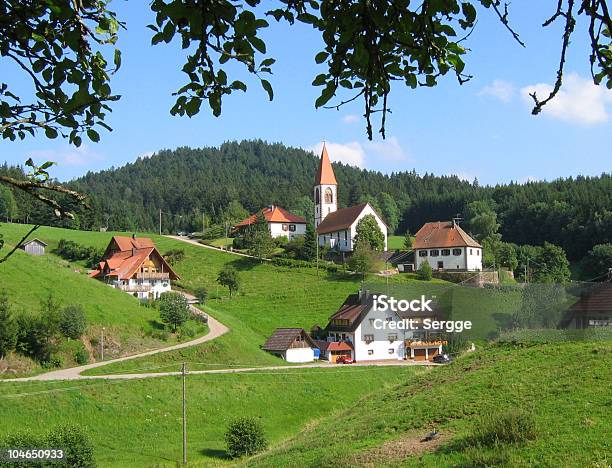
(273, 214)
(325, 174)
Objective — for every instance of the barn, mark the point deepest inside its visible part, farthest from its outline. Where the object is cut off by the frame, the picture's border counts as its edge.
(34, 247)
(291, 344)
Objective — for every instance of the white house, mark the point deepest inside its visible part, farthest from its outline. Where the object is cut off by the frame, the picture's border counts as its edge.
(291, 344)
(280, 222)
(355, 331)
(445, 246)
(135, 266)
(337, 227)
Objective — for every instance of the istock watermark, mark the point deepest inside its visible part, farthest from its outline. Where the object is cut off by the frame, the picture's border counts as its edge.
(423, 305)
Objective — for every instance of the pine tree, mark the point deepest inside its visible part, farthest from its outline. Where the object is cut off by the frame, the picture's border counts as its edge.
(408, 241)
(8, 328)
(260, 242)
(309, 250)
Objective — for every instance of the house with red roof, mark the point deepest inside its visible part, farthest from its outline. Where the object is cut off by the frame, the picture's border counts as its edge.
(447, 247)
(335, 227)
(134, 265)
(280, 222)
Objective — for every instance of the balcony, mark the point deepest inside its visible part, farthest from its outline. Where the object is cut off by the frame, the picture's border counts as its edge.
(425, 343)
(153, 276)
(134, 288)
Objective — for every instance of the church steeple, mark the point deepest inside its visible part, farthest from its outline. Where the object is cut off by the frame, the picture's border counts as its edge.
(325, 189)
(325, 175)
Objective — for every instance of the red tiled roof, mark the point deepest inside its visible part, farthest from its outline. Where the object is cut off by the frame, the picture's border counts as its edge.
(132, 253)
(325, 174)
(339, 346)
(442, 234)
(283, 338)
(273, 214)
(599, 299)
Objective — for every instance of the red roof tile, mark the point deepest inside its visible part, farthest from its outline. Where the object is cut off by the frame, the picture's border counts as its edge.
(340, 219)
(273, 214)
(442, 234)
(339, 346)
(325, 174)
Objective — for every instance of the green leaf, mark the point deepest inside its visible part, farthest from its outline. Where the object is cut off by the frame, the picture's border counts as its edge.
(258, 44)
(93, 135)
(117, 59)
(50, 133)
(268, 87)
(321, 57)
(320, 80)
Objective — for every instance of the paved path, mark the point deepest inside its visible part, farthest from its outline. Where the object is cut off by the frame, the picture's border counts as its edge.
(216, 329)
(193, 242)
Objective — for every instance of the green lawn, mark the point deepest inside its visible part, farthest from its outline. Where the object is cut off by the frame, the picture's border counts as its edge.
(138, 423)
(221, 242)
(565, 387)
(30, 279)
(395, 243)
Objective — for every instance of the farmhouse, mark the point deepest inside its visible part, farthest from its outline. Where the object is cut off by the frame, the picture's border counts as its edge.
(280, 222)
(445, 246)
(592, 310)
(34, 247)
(134, 265)
(337, 227)
(354, 331)
(291, 344)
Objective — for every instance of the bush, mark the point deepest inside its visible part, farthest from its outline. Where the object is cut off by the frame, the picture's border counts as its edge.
(245, 436)
(173, 309)
(81, 357)
(75, 443)
(71, 250)
(281, 241)
(174, 256)
(201, 295)
(514, 426)
(72, 322)
(425, 272)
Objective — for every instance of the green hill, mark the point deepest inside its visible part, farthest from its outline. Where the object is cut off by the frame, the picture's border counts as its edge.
(559, 395)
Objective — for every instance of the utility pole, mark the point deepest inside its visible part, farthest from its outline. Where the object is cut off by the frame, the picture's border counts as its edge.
(102, 344)
(184, 374)
(160, 213)
(203, 222)
(317, 242)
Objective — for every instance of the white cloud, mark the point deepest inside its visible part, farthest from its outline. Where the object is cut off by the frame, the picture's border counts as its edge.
(67, 155)
(500, 89)
(388, 149)
(350, 118)
(348, 153)
(358, 154)
(579, 100)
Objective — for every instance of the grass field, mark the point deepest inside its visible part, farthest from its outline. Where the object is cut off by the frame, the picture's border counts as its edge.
(395, 243)
(138, 423)
(564, 387)
(30, 279)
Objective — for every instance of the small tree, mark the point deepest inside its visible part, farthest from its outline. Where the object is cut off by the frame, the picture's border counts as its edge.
(367, 230)
(78, 449)
(72, 322)
(245, 436)
(201, 295)
(228, 276)
(598, 261)
(363, 259)
(425, 272)
(309, 249)
(8, 327)
(259, 240)
(173, 309)
(408, 241)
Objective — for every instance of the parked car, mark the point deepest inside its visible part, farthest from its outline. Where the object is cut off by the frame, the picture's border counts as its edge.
(344, 360)
(442, 359)
(181, 233)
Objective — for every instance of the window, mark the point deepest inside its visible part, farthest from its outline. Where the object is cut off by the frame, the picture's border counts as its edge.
(445, 252)
(368, 338)
(392, 338)
(391, 351)
(285, 227)
(329, 195)
(317, 197)
(434, 253)
(440, 265)
(477, 252)
(470, 251)
(370, 352)
(344, 235)
(422, 253)
(457, 252)
(292, 227)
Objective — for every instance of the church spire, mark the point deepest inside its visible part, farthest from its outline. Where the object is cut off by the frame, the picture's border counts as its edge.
(325, 175)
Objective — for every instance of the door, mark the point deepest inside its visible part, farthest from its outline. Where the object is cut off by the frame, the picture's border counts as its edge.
(440, 265)
(419, 355)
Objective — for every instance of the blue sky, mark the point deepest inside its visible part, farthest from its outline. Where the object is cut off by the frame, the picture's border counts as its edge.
(482, 129)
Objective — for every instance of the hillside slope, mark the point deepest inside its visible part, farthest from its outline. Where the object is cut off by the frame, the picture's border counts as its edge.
(565, 387)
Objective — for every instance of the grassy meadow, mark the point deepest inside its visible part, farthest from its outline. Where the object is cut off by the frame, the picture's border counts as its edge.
(563, 389)
(138, 422)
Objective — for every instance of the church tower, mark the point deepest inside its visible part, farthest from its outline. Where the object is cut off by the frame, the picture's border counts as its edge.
(325, 189)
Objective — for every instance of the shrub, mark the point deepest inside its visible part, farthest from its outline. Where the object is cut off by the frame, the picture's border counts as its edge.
(72, 322)
(201, 294)
(514, 426)
(281, 241)
(173, 309)
(245, 436)
(174, 256)
(34, 337)
(8, 326)
(81, 357)
(425, 272)
(75, 443)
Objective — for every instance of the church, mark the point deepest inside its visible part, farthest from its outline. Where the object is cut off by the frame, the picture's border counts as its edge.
(335, 227)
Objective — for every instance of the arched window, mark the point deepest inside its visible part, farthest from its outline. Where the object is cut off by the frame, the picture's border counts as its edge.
(329, 195)
(317, 199)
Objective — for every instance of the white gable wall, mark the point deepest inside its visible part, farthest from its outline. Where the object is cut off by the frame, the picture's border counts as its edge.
(284, 229)
(345, 239)
(470, 258)
(368, 210)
